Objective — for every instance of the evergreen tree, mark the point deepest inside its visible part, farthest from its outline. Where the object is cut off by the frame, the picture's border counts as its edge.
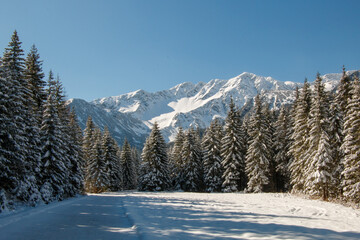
(233, 152)
(111, 161)
(299, 136)
(77, 161)
(87, 144)
(351, 146)
(128, 167)
(281, 157)
(192, 163)
(137, 162)
(258, 156)
(35, 83)
(213, 169)
(177, 166)
(54, 170)
(336, 139)
(154, 173)
(319, 165)
(98, 179)
(19, 137)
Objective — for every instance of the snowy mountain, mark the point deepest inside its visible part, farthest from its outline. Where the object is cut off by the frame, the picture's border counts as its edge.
(185, 105)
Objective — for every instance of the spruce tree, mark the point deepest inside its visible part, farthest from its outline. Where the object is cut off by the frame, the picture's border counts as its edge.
(87, 144)
(111, 161)
(300, 134)
(281, 157)
(213, 169)
(191, 157)
(258, 156)
(177, 166)
(35, 83)
(233, 152)
(54, 169)
(319, 165)
(154, 172)
(128, 167)
(351, 146)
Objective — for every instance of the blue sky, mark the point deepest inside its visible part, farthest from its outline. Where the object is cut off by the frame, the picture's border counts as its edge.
(110, 47)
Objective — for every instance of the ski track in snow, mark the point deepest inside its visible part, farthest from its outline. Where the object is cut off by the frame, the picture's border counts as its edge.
(180, 215)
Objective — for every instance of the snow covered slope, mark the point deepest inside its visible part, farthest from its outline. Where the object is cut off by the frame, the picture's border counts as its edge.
(189, 104)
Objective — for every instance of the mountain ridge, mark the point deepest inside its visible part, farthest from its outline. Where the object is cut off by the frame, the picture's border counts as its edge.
(185, 105)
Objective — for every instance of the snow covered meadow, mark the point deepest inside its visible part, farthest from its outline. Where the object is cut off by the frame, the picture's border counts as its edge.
(183, 215)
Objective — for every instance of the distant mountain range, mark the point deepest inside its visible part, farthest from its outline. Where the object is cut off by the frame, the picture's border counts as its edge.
(132, 115)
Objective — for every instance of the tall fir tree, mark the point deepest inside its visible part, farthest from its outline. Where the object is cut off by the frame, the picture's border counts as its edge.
(233, 152)
(191, 157)
(154, 172)
(112, 161)
(351, 146)
(54, 169)
(300, 134)
(258, 156)
(35, 83)
(87, 144)
(213, 169)
(128, 167)
(176, 163)
(319, 165)
(281, 157)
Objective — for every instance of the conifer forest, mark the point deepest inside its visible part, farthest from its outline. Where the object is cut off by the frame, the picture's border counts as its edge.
(310, 147)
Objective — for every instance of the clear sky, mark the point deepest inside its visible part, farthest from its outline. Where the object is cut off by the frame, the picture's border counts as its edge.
(104, 48)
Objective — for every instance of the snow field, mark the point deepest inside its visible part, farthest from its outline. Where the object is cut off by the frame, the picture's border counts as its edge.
(179, 215)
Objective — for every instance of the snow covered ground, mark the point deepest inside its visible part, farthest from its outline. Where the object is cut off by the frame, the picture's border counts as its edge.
(178, 215)
(238, 216)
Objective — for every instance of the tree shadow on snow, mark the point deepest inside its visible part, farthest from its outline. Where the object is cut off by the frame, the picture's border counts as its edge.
(192, 219)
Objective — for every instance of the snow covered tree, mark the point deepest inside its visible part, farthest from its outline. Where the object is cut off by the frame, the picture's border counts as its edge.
(154, 173)
(300, 134)
(351, 146)
(19, 151)
(281, 157)
(35, 83)
(112, 161)
(191, 158)
(54, 170)
(128, 167)
(176, 163)
(319, 165)
(211, 145)
(336, 138)
(233, 152)
(76, 155)
(135, 155)
(97, 176)
(344, 93)
(258, 156)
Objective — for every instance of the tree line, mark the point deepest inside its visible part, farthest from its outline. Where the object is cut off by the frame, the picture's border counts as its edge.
(310, 147)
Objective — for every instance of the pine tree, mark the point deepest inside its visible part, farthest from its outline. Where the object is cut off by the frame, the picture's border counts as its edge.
(112, 161)
(258, 156)
(233, 152)
(213, 169)
(343, 94)
(336, 139)
(54, 170)
(351, 146)
(319, 165)
(300, 134)
(87, 144)
(19, 136)
(128, 167)
(77, 162)
(154, 173)
(192, 163)
(98, 179)
(281, 157)
(176, 164)
(35, 83)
